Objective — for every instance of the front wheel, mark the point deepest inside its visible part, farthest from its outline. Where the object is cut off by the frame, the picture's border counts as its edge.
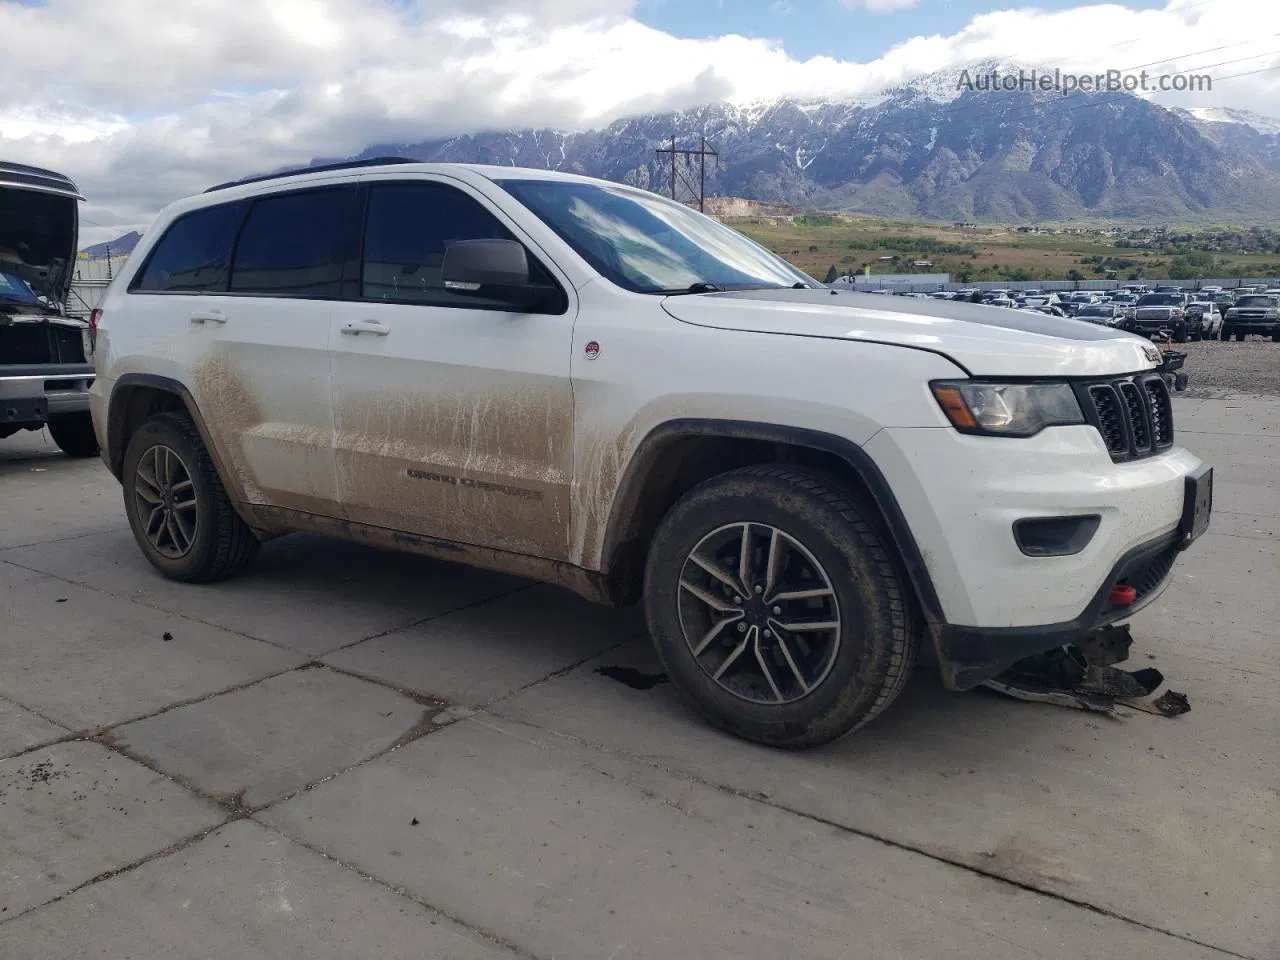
(73, 433)
(777, 608)
(1180, 333)
(1239, 337)
(178, 509)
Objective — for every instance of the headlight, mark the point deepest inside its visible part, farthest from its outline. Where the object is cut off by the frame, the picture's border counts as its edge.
(1006, 409)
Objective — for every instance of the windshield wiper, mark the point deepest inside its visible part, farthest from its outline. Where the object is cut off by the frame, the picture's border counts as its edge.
(701, 286)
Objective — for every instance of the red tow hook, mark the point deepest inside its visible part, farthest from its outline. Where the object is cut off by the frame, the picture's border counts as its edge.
(1122, 595)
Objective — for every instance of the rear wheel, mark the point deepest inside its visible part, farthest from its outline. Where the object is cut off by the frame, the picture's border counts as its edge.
(73, 433)
(777, 609)
(178, 509)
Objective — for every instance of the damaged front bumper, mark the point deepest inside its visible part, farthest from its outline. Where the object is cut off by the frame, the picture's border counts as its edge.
(969, 656)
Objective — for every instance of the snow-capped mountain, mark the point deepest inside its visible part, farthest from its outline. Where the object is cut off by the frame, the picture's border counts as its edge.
(1264, 125)
(929, 149)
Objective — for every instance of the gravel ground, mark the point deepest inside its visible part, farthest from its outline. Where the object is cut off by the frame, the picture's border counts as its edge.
(1216, 368)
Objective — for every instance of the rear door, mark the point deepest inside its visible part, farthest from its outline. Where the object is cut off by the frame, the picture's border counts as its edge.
(247, 292)
(453, 416)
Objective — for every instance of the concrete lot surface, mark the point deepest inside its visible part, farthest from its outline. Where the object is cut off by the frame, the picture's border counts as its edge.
(348, 753)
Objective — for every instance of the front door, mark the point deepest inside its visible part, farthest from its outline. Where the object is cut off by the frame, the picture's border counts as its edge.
(453, 417)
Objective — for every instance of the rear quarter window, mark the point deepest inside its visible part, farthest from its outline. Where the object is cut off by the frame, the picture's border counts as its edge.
(194, 255)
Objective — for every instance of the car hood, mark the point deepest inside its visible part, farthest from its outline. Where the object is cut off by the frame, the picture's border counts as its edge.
(985, 341)
(39, 228)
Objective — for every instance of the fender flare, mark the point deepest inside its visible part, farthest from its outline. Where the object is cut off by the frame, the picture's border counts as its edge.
(116, 403)
(857, 459)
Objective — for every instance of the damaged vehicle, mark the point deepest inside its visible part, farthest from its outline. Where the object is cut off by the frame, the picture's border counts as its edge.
(591, 385)
(45, 370)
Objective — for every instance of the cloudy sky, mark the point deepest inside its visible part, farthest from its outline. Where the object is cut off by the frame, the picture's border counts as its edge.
(144, 101)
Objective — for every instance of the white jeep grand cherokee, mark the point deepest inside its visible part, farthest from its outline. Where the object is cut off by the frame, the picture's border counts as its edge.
(590, 385)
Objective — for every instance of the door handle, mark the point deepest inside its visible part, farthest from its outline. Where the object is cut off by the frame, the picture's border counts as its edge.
(208, 316)
(353, 328)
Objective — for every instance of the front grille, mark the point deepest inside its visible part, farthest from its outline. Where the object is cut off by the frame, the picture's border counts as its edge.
(1106, 406)
(1134, 414)
(1161, 408)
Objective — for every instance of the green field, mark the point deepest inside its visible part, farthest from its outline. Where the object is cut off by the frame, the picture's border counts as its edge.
(818, 242)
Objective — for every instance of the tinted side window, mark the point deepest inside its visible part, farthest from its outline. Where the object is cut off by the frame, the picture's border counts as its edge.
(194, 253)
(292, 245)
(408, 227)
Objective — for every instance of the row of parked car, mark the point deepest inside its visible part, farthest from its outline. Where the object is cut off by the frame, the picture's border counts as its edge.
(1208, 313)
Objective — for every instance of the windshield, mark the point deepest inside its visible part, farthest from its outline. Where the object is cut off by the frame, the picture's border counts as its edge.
(1094, 311)
(1258, 301)
(1161, 300)
(14, 290)
(647, 244)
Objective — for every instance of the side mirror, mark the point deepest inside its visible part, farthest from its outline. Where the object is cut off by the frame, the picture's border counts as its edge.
(494, 270)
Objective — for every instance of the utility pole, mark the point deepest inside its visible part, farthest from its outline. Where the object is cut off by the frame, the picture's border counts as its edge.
(703, 151)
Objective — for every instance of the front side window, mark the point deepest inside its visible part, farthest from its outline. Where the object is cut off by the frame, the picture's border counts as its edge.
(292, 244)
(194, 253)
(408, 227)
(647, 244)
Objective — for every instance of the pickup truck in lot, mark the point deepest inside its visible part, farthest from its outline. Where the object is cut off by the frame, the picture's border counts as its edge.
(1163, 310)
(45, 371)
(588, 384)
(1253, 313)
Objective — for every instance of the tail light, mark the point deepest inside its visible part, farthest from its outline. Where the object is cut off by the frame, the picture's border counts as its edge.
(95, 317)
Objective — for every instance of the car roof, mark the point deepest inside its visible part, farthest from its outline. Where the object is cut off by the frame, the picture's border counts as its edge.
(331, 171)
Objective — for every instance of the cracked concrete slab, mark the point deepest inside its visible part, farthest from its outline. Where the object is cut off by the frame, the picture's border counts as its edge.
(60, 497)
(572, 853)
(73, 811)
(86, 659)
(477, 655)
(266, 741)
(243, 892)
(1174, 823)
(21, 729)
(307, 593)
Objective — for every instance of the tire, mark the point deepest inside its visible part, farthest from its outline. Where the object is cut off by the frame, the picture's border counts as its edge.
(1275, 334)
(1224, 334)
(203, 539)
(1180, 333)
(1197, 334)
(1239, 337)
(73, 433)
(851, 674)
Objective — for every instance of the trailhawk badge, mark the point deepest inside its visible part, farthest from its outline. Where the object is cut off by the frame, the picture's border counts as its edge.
(1152, 353)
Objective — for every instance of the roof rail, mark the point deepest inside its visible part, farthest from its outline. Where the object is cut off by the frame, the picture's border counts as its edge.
(321, 168)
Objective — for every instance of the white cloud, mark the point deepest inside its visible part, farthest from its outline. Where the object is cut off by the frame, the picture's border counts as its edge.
(210, 90)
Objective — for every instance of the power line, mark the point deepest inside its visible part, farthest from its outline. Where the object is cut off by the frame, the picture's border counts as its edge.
(703, 151)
